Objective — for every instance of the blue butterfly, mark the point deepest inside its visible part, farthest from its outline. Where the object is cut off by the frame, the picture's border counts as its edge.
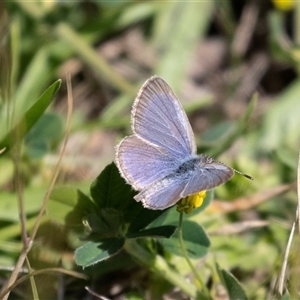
(159, 160)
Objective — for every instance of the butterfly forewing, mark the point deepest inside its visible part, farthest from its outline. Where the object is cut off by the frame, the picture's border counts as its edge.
(159, 118)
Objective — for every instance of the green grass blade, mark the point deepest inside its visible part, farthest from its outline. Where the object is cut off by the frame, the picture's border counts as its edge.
(30, 117)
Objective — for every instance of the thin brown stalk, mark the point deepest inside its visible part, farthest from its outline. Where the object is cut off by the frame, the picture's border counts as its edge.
(26, 247)
(281, 280)
(61, 154)
(44, 271)
(244, 203)
(95, 294)
(298, 193)
(19, 188)
(245, 29)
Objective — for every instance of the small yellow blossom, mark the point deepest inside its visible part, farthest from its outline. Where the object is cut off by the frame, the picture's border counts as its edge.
(187, 204)
(284, 4)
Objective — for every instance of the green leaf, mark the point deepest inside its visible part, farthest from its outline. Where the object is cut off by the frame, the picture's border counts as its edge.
(234, 289)
(69, 206)
(286, 296)
(37, 148)
(135, 13)
(282, 122)
(217, 134)
(45, 131)
(104, 223)
(115, 206)
(240, 127)
(109, 190)
(33, 198)
(195, 239)
(288, 157)
(92, 253)
(20, 129)
(160, 232)
(35, 77)
(280, 51)
(144, 218)
(180, 23)
(94, 60)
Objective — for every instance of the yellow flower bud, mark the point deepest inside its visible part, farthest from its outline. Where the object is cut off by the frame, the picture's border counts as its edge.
(284, 4)
(187, 204)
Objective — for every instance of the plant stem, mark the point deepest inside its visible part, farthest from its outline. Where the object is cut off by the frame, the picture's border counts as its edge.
(158, 264)
(185, 255)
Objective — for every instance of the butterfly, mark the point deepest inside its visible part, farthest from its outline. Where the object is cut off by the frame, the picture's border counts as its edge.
(160, 160)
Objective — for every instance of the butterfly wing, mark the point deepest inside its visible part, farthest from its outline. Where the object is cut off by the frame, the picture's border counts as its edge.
(162, 194)
(158, 117)
(141, 163)
(155, 160)
(206, 176)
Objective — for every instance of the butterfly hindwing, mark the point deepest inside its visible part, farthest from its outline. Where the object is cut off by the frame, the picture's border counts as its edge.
(162, 194)
(142, 163)
(207, 176)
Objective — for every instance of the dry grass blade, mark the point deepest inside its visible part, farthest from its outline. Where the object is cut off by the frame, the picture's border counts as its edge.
(239, 227)
(61, 154)
(27, 247)
(251, 77)
(95, 294)
(245, 29)
(298, 193)
(45, 271)
(248, 202)
(281, 279)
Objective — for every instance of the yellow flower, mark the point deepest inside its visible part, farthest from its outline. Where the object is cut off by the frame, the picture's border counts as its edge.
(284, 4)
(187, 204)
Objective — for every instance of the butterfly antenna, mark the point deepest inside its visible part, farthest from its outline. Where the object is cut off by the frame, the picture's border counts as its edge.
(243, 174)
(238, 172)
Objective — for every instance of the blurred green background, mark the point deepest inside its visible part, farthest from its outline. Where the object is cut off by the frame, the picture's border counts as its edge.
(235, 67)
